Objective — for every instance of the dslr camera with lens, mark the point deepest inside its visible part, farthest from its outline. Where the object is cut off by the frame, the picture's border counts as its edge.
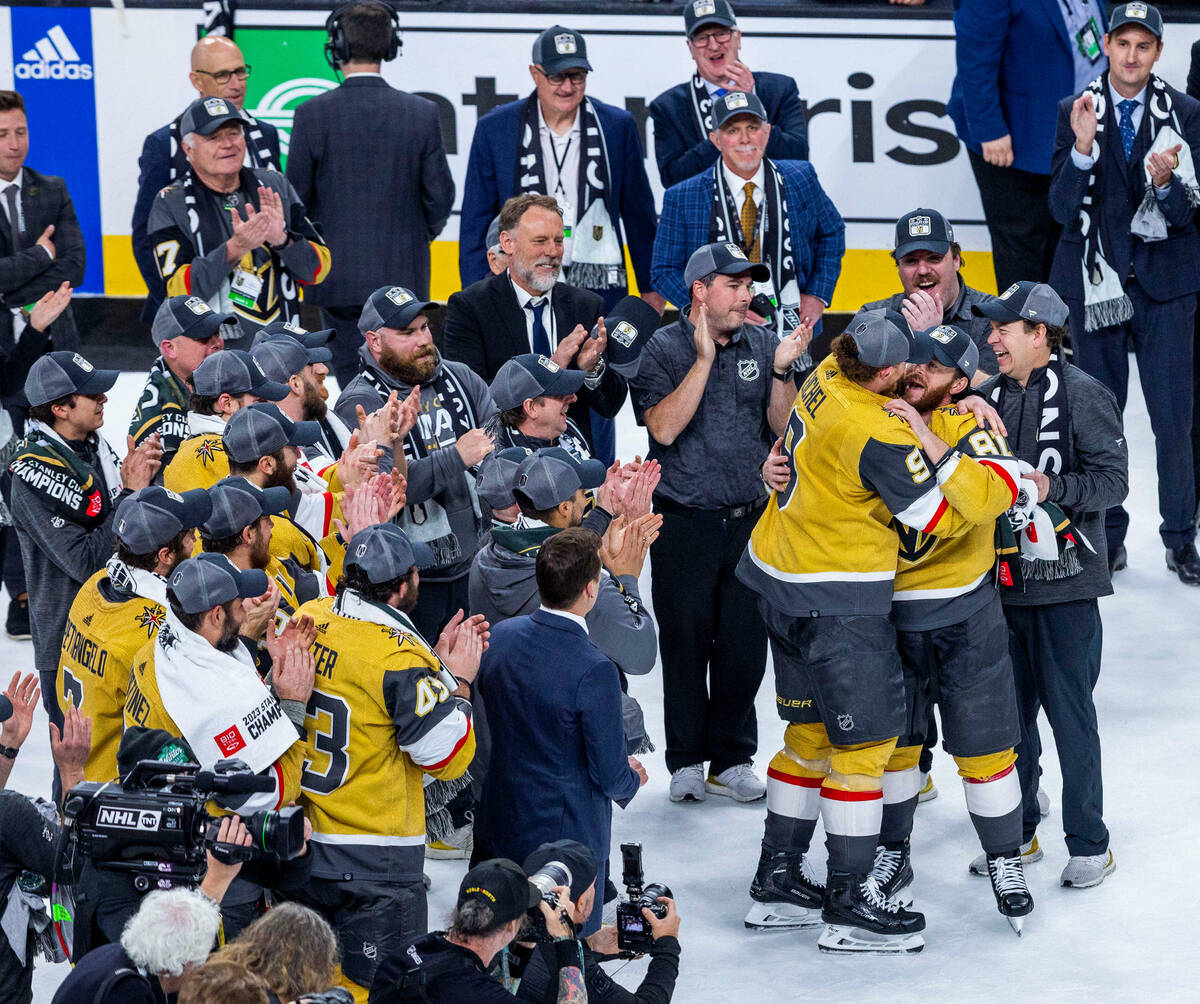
(546, 878)
(633, 930)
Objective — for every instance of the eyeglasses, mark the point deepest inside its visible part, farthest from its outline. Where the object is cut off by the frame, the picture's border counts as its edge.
(705, 39)
(575, 77)
(222, 76)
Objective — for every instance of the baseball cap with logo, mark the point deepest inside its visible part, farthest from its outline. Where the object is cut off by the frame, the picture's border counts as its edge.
(883, 338)
(493, 234)
(234, 371)
(236, 503)
(1028, 301)
(532, 375)
(558, 48)
(153, 517)
(260, 429)
(724, 257)
(498, 475)
(206, 115)
(281, 356)
(922, 230)
(1143, 15)
(58, 374)
(948, 344)
(553, 475)
(698, 13)
(736, 103)
(188, 317)
(391, 307)
(629, 325)
(309, 339)
(210, 580)
(502, 886)
(384, 552)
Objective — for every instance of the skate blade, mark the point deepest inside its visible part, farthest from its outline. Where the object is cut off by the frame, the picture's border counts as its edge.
(781, 917)
(837, 938)
(1015, 923)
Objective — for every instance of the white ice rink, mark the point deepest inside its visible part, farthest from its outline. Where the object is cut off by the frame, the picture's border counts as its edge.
(1132, 939)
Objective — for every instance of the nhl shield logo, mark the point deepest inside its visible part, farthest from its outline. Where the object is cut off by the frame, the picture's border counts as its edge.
(920, 226)
(748, 369)
(564, 44)
(624, 333)
(846, 723)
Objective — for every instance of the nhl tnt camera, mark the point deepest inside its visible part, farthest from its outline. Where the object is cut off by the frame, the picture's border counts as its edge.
(154, 826)
(633, 930)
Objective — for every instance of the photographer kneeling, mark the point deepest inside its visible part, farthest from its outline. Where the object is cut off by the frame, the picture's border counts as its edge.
(493, 903)
(537, 983)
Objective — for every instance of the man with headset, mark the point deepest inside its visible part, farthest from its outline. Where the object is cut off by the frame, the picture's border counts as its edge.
(382, 231)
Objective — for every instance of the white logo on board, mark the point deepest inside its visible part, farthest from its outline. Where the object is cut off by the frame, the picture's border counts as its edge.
(53, 57)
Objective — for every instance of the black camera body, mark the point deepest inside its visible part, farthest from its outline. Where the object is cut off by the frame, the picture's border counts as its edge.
(761, 304)
(633, 930)
(154, 825)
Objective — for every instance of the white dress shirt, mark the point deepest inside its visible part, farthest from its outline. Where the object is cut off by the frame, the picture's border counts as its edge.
(562, 182)
(523, 298)
(568, 615)
(737, 185)
(1085, 162)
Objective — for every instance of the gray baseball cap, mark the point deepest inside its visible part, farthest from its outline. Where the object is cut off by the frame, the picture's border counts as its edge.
(384, 552)
(922, 230)
(281, 357)
(1144, 15)
(493, 234)
(153, 517)
(391, 307)
(210, 580)
(736, 103)
(882, 337)
(309, 339)
(630, 325)
(532, 375)
(558, 48)
(949, 344)
(235, 371)
(236, 503)
(553, 475)
(261, 429)
(1030, 301)
(206, 115)
(698, 13)
(724, 257)
(189, 317)
(498, 475)
(58, 374)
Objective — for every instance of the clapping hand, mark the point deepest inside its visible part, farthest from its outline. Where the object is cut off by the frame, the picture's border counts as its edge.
(23, 693)
(1083, 123)
(141, 462)
(259, 613)
(923, 309)
(1162, 165)
(462, 643)
(51, 305)
(293, 670)
(792, 347)
(358, 461)
(776, 470)
(593, 348)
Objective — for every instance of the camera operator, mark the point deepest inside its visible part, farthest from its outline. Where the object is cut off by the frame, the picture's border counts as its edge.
(537, 982)
(494, 901)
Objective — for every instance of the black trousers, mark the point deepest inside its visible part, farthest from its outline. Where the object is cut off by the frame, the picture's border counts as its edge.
(1023, 233)
(347, 340)
(711, 638)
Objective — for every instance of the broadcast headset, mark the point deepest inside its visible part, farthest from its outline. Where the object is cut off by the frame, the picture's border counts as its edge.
(337, 49)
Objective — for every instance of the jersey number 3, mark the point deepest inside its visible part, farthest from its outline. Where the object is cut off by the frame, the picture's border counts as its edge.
(331, 737)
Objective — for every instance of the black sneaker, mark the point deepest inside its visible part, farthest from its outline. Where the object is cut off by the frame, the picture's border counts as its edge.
(1185, 562)
(17, 625)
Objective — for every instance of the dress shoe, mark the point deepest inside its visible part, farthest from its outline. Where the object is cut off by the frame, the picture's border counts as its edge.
(1185, 562)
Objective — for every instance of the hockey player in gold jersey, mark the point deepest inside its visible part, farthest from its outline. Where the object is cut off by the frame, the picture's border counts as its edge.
(120, 608)
(384, 714)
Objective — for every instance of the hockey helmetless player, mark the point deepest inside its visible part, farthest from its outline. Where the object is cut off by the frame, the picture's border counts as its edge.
(823, 557)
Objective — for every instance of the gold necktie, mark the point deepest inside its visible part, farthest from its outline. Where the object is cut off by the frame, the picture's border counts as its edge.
(750, 224)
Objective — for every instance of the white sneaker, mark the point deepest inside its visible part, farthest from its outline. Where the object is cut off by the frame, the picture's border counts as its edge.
(1030, 853)
(1043, 802)
(687, 784)
(739, 782)
(928, 790)
(457, 844)
(1086, 870)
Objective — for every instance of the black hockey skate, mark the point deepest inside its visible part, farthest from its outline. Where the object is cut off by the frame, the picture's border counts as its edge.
(786, 894)
(1013, 898)
(860, 919)
(893, 872)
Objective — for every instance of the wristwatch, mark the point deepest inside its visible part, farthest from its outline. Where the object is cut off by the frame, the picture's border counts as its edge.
(783, 377)
(10, 751)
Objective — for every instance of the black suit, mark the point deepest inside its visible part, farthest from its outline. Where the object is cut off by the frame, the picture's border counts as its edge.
(369, 164)
(485, 327)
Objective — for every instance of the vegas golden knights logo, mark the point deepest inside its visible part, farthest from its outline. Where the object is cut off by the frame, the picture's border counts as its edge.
(914, 545)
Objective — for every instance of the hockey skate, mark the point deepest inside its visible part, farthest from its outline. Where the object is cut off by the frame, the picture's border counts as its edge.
(786, 894)
(860, 919)
(893, 872)
(1030, 853)
(1013, 898)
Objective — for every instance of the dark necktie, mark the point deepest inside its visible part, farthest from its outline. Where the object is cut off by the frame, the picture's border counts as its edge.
(541, 340)
(11, 195)
(1125, 124)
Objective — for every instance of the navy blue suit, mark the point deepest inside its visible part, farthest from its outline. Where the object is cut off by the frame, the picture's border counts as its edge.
(558, 743)
(683, 150)
(1161, 279)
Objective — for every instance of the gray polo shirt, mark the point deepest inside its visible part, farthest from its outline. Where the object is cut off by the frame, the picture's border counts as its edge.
(716, 460)
(979, 328)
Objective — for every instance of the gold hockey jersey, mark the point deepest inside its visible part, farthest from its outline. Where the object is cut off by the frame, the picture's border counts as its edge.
(199, 463)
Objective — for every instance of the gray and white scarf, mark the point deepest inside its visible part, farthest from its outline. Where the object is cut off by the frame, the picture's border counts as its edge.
(258, 153)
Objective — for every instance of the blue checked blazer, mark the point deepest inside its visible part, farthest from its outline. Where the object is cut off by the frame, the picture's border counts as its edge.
(818, 233)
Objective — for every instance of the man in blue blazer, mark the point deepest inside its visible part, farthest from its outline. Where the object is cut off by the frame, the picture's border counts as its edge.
(554, 707)
(1016, 59)
(683, 114)
(741, 199)
(1141, 252)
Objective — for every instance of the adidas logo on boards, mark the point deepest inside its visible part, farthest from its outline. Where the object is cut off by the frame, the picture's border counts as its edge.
(53, 57)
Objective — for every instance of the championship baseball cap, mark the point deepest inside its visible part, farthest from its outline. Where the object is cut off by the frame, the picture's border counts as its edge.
(558, 48)
(260, 429)
(493, 234)
(498, 474)
(309, 339)
(1029, 301)
(189, 317)
(391, 307)
(384, 552)
(1144, 15)
(57, 374)
(922, 230)
(532, 375)
(882, 337)
(629, 325)
(236, 503)
(281, 357)
(210, 580)
(736, 103)
(698, 13)
(724, 257)
(948, 344)
(553, 475)
(501, 885)
(152, 517)
(234, 371)
(207, 115)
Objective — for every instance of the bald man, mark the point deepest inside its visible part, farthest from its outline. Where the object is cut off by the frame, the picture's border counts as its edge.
(218, 71)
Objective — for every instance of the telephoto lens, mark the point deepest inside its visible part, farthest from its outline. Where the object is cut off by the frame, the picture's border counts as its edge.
(551, 874)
